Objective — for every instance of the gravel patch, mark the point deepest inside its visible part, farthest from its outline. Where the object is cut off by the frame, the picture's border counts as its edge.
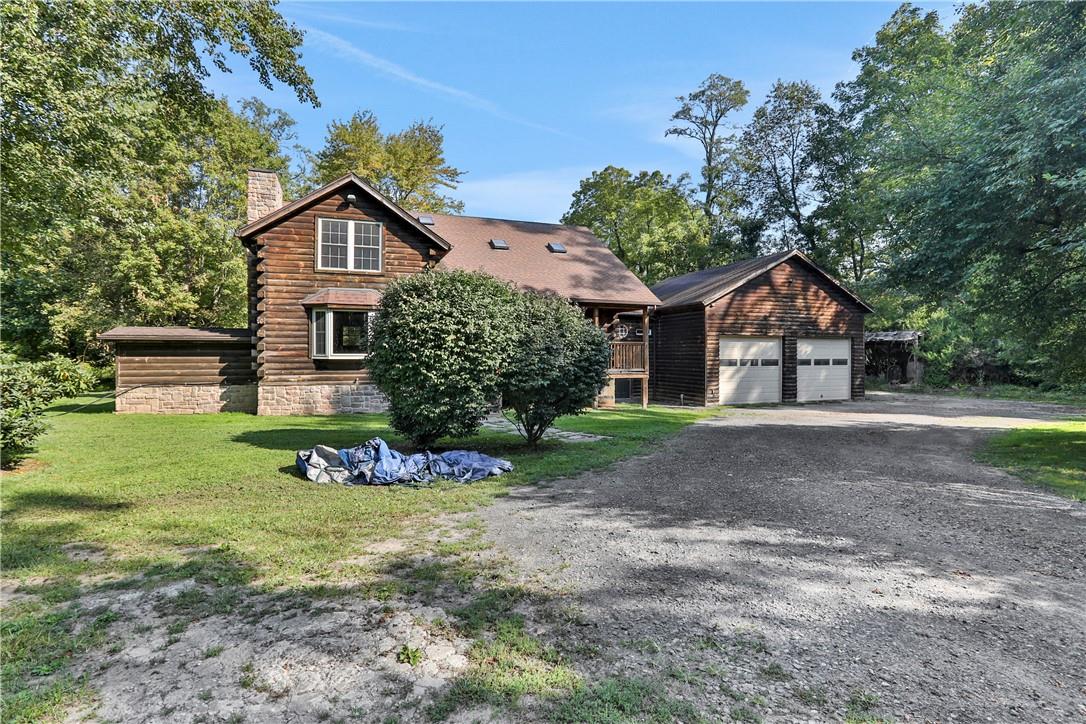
(271, 658)
(824, 562)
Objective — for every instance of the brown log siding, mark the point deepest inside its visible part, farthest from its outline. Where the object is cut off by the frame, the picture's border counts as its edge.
(677, 359)
(788, 301)
(183, 363)
(286, 273)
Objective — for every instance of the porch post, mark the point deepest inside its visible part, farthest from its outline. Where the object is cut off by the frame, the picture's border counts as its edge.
(645, 356)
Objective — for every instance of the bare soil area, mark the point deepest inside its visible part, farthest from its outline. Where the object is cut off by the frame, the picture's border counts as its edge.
(827, 562)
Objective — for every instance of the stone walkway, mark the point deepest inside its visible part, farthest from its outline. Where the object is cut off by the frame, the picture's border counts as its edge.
(498, 423)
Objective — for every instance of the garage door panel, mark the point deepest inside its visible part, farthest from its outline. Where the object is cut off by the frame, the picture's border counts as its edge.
(823, 369)
(750, 370)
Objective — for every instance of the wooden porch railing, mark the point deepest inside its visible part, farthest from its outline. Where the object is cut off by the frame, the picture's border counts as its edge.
(628, 356)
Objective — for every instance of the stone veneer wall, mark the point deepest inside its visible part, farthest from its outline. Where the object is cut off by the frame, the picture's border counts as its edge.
(310, 399)
(188, 399)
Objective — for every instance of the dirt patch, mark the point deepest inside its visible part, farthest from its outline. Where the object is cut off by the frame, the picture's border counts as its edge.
(189, 652)
(824, 562)
(24, 465)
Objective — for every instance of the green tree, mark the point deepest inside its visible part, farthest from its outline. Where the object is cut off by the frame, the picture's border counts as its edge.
(975, 136)
(121, 176)
(409, 167)
(701, 117)
(557, 364)
(780, 169)
(158, 252)
(647, 220)
(94, 90)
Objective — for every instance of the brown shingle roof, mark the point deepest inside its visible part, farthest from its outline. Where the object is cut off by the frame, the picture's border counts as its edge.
(335, 297)
(587, 272)
(708, 285)
(176, 334)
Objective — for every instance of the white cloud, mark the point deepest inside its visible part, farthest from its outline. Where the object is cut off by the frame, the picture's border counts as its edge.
(359, 22)
(348, 51)
(541, 195)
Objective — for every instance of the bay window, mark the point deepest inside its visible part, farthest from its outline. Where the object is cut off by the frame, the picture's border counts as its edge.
(340, 333)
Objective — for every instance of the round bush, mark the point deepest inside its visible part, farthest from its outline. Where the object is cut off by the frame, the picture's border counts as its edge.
(438, 344)
(26, 388)
(557, 366)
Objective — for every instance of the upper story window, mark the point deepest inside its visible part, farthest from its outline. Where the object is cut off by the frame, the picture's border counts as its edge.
(348, 245)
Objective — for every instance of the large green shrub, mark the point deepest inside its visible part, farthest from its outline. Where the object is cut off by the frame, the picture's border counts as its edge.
(438, 345)
(557, 366)
(26, 388)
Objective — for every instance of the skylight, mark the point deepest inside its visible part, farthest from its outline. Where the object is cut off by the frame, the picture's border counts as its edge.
(556, 248)
(426, 219)
(500, 244)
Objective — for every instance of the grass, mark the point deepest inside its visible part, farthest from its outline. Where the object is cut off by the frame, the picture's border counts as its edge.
(505, 667)
(216, 499)
(1074, 395)
(622, 700)
(1052, 456)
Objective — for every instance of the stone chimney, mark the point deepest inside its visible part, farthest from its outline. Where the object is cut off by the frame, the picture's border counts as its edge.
(265, 194)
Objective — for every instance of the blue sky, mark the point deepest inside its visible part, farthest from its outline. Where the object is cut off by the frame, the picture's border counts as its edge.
(534, 97)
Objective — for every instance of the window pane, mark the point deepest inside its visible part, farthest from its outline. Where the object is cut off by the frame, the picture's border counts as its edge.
(839, 361)
(320, 333)
(804, 362)
(729, 362)
(822, 362)
(333, 244)
(350, 332)
(769, 363)
(367, 246)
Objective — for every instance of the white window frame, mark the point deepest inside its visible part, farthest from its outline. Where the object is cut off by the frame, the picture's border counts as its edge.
(327, 352)
(352, 226)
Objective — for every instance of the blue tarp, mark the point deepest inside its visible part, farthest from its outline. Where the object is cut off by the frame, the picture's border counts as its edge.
(375, 463)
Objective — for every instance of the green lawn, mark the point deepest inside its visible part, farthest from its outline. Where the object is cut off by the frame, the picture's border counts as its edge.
(1066, 396)
(1052, 456)
(137, 500)
(156, 490)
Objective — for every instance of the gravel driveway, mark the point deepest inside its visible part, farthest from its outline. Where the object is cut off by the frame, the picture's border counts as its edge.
(812, 563)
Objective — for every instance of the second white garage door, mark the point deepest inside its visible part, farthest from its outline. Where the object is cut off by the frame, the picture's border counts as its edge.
(750, 370)
(823, 369)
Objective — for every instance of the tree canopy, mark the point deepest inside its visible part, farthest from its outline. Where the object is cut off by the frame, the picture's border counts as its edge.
(646, 219)
(409, 167)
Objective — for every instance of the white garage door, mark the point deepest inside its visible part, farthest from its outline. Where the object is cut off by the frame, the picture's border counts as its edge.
(750, 370)
(823, 369)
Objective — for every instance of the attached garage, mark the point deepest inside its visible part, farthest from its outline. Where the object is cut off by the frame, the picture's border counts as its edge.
(772, 329)
(750, 370)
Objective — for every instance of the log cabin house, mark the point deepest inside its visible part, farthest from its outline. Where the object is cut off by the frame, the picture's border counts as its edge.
(316, 269)
(772, 329)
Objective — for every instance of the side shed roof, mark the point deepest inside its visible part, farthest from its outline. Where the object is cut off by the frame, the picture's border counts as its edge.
(177, 334)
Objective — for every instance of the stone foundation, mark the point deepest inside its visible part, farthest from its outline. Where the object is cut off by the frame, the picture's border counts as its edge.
(606, 398)
(187, 399)
(309, 399)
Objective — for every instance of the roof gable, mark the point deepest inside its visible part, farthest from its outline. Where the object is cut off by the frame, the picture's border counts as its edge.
(298, 206)
(532, 257)
(707, 285)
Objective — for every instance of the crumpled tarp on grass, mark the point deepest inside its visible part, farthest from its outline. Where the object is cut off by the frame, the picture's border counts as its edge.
(375, 463)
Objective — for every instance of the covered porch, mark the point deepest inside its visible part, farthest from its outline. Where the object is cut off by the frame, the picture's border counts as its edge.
(627, 329)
